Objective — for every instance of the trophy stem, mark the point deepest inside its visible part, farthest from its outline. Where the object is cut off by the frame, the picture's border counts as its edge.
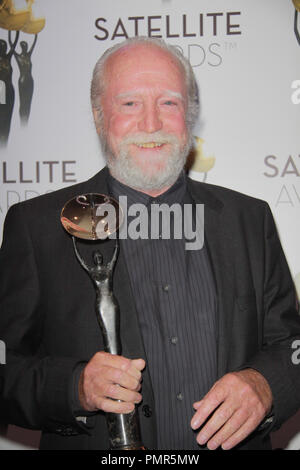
(123, 429)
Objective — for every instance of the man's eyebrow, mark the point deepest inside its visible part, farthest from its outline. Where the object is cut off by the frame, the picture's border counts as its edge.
(130, 94)
(126, 95)
(175, 94)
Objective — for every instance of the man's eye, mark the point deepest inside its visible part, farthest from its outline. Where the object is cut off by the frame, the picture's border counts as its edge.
(129, 103)
(170, 103)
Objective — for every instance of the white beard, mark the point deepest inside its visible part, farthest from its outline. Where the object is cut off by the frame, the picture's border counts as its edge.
(124, 168)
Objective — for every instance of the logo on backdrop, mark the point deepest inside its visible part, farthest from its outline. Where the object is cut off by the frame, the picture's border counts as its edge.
(199, 29)
(287, 170)
(296, 20)
(199, 162)
(15, 21)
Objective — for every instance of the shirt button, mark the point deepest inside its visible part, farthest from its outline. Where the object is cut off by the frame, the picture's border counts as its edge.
(174, 340)
(179, 396)
(166, 287)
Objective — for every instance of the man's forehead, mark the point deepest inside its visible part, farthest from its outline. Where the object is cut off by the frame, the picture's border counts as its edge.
(138, 71)
(141, 48)
(143, 58)
(143, 90)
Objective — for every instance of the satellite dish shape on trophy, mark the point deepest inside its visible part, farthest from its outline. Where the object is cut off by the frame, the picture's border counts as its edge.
(96, 217)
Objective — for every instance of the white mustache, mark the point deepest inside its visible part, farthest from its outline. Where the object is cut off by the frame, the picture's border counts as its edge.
(143, 138)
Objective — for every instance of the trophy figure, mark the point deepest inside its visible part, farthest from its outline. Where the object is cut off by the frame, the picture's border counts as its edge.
(96, 217)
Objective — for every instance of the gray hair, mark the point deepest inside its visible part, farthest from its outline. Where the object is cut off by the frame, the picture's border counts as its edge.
(98, 84)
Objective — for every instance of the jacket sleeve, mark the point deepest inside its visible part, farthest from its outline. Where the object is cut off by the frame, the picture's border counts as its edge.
(276, 360)
(34, 390)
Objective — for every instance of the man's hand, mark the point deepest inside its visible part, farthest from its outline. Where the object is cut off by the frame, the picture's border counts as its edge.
(236, 405)
(107, 378)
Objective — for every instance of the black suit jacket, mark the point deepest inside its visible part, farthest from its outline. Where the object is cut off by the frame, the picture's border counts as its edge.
(49, 325)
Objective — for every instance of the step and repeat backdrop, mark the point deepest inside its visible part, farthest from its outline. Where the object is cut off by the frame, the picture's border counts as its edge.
(246, 57)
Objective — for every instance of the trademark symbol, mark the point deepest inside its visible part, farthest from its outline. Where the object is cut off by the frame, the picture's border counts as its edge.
(230, 46)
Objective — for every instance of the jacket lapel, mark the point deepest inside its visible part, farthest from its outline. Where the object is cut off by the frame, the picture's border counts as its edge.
(217, 239)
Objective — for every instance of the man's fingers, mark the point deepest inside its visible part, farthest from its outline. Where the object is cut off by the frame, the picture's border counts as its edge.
(133, 366)
(113, 378)
(197, 405)
(240, 433)
(111, 406)
(209, 403)
(139, 364)
(136, 367)
(244, 404)
(130, 366)
(119, 393)
(235, 422)
(118, 369)
(218, 419)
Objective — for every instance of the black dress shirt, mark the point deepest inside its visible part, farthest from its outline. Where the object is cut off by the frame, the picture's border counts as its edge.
(175, 299)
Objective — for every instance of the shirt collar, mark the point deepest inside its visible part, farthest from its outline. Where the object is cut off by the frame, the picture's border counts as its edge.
(173, 195)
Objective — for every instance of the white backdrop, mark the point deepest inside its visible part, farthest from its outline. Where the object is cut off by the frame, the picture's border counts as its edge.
(246, 58)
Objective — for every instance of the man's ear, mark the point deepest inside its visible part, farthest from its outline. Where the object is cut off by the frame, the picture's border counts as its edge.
(96, 120)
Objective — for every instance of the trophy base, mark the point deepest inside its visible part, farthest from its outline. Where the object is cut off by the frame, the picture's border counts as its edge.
(124, 431)
(130, 447)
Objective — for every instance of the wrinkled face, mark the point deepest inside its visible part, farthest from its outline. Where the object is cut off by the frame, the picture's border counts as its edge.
(144, 107)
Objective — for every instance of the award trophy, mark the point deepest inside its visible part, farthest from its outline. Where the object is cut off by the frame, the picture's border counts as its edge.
(95, 217)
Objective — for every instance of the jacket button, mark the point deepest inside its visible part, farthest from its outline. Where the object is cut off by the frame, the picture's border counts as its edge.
(146, 410)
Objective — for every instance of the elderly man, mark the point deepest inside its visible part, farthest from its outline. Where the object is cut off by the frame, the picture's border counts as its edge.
(207, 334)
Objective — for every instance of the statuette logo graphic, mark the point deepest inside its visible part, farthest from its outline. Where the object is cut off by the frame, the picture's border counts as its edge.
(20, 19)
(201, 163)
(16, 20)
(297, 4)
(296, 20)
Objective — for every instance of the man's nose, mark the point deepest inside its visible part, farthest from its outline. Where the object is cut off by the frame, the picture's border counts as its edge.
(150, 120)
